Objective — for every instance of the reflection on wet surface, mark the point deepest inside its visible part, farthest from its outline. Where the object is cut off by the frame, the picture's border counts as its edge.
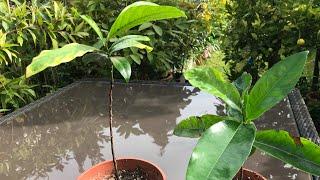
(62, 137)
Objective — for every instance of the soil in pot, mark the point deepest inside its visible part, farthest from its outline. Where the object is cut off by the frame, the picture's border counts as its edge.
(136, 174)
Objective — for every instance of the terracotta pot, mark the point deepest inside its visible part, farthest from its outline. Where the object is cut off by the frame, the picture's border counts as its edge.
(102, 169)
(249, 175)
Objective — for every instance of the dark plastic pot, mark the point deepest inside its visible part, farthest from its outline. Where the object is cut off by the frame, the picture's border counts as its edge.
(249, 175)
(105, 168)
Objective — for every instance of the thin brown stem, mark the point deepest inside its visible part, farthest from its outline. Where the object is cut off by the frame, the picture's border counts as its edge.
(110, 127)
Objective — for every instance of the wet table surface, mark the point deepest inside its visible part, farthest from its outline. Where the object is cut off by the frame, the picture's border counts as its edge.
(67, 133)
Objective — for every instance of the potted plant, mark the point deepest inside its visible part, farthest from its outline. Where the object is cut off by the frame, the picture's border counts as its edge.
(110, 47)
(226, 141)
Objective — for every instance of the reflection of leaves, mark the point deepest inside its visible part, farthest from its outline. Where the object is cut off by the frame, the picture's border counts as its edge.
(60, 167)
(127, 128)
(136, 112)
(38, 149)
(58, 130)
(4, 168)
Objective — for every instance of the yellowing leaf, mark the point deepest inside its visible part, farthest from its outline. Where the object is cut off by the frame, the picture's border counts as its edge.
(130, 41)
(51, 58)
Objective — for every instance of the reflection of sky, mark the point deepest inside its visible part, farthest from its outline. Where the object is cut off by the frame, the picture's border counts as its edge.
(150, 109)
(202, 103)
(173, 157)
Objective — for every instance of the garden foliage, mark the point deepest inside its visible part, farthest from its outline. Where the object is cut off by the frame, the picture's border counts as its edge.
(28, 27)
(263, 32)
(260, 33)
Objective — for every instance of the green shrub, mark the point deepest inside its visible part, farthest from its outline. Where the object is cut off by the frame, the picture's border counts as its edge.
(27, 27)
(263, 32)
(14, 93)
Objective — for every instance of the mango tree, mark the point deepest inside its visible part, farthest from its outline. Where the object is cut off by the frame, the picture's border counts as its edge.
(226, 141)
(110, 46)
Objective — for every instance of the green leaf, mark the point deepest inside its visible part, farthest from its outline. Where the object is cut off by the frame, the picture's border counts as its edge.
(100, 43)
(145, 26)
(5, 26)
(139, 13)
(130, 41)
(93, 24)
(157, 29)
(275, 84)
(221, 151)
(136, 58)
(20, 40)
(123, 66)
(299, 152)
(194, 126)
(34, 37)
(51, 58)
(133, 37)
(54, 42)
(9, 54)
(236, 114)
(243, 83)
(212, 81)
(3, 38)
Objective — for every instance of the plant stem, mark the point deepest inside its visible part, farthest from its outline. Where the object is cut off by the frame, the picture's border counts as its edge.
(9, 8)
(110, 127)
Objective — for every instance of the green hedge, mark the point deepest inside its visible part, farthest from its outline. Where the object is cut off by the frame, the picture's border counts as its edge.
(262, 32)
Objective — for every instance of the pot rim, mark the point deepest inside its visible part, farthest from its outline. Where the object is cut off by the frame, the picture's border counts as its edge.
(254, 172)
(125, 158)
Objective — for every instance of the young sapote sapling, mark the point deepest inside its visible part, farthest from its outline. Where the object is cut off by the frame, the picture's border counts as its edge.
(226, 141)
(131, 16)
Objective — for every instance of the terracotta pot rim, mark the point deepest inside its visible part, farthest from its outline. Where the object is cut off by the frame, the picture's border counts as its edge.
(126, 158)
(254, 172)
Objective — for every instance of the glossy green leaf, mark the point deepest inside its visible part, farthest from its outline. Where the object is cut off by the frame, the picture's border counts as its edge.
(93, 24)
(194, 126)
(123, 66)
(133, 37)
(221, 151)
(275, 84)
(130, 41)
(299, 152)
(243, 83)
(51, 58)
(213, 82)
(236, 114)
(139, 13)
